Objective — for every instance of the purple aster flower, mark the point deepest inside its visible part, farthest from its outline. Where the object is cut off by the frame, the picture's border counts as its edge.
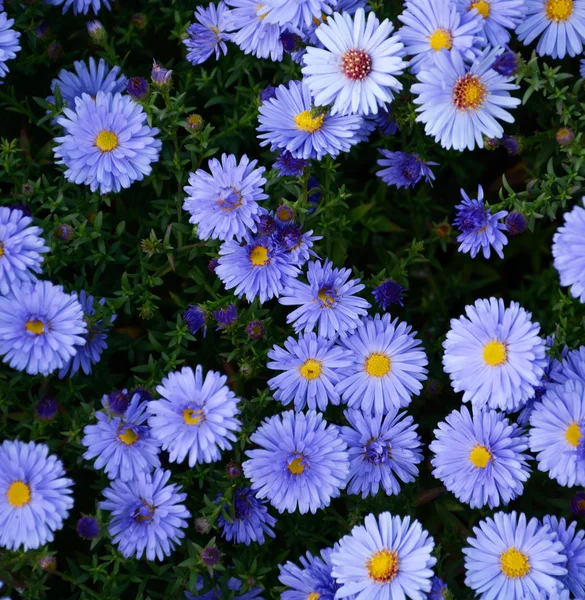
(63, 232)
(404, 170)
(515, 223)
(255, 330)
(46, 408)
(438, 589)
(386, 122)
(284, 215)
(226, 317)
(288, 165)
(96, 31)
(268, 92)
(117, 402)
(565, 136)
(296, 244)
(87, 528)
(195, 318)
(578, 504)
(137, 87)
(512, 144)
(506, 63)
(210, 556)
(208, 35)
(160, 75)
(480, 230)
(387, 293)
(266, 225)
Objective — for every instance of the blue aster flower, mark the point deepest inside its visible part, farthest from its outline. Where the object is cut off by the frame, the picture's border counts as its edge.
(87, 528)
(480, 458)
(499, 17)
(41, 327)
(226, 317)
(383, 452)
(386, 122)
(559, 23)
(386, 557)
(289, 166)
(195, 416)
(8, 43)
(148, 516)
(224, 204)
(291, 121)
(253, 33)
(81, 6)
(556, 434)
(123, 445)
(568, 250)
(403, 169)
(438, 589)
(507, 64)
(21, 249)
(95, 340)
(195, 318)
(387, 293)
(250, 519)
(356, 71)
(513, 557)
(494, 355)
(209, 34)
(313, 580)
(107, 143)
(89, 78)
(301, 462)
(431, 26)
(35, 495)
(388, 366)
(298, 14)
(574, 549)
(311, 366)
(460, 104)
(480, 229)
(327, 301)
(257, 269)
(295, 244)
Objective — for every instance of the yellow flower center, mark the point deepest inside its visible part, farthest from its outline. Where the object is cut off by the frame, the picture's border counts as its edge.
(259, 256)
(495, 353)
(311, 369)
(1, 249)
(514, 563)
(106, 141)
(573, 434)
(326, 296)
(192, 417)
(37, 327)
(581, 504)
(482, 7)
(129, 437)
(383, 566)
(559, 10)
(480, 457)
(441, 39)
(296, 466)
(18, 494)
(314, 596)
(305, 121)
(469, 93)
(378, 364)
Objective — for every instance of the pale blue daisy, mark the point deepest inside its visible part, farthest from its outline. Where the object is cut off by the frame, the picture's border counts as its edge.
(499, 17)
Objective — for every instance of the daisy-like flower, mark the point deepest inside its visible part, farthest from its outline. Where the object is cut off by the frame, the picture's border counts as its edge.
(499, 17)
(107, 143)
(148, 516)
(209, 34)
(327, 301)
(383, 451)
(8, 42)
(460, 104)
(258, 269)
(81, 6)
(494, 355)
(511, 556)
(556, 434)
(195, 416)
(386, 557)
(95, 340)
(41, 327)
(480, 229)
(89, 78)
(311, 366)
(224, 204)
(481, 458)
(357, 68)
(253, 33)
(574, 549)
(568, 250)
(21, 249)
(388, 366)
(290, 121)
(35, 495)
(301, 462)
(431, 26)
(298, 14)
(313, 580)
(123, 444)
(249, 520)
(404, 170)
(559, 23)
